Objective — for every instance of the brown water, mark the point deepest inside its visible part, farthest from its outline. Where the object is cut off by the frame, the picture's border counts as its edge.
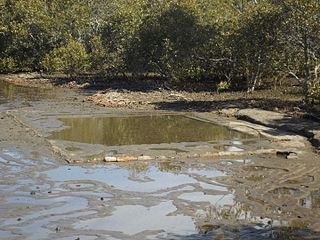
(113, 131)
(10, 92)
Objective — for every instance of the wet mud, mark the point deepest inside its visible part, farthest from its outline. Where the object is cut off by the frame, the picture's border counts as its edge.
(262, 196)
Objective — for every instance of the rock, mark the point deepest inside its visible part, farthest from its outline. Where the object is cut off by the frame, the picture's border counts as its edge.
(110, 159)
(292, 156)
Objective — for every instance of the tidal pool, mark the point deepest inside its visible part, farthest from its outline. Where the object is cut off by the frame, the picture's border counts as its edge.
(133, 130)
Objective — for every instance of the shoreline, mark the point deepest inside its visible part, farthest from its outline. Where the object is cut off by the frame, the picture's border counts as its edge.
(257, 180)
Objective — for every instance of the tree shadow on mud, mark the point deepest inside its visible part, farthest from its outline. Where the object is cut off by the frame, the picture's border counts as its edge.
(296, 126)
(143, 83)
(240, 103)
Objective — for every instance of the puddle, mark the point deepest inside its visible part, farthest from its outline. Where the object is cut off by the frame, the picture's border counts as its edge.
(81, 186)
(152, 197)
(234, 149)
(43, 199)
(7, 235)
(10, 92)
(13, 154)
(214, 186)
(84, 237)
(140, 200)
(135, 219)
(115, 131)
(120, 178)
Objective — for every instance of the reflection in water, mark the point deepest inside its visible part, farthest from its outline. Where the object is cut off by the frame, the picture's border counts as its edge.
(141, 200)
(169, 166)
(120, 177)
(142, 130)
(134, 219)
(10, 92)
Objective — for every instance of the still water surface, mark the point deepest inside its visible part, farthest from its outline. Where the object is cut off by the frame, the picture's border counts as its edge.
(113, 131)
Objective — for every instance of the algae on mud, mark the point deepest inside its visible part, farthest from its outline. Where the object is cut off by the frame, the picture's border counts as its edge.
(134, 130)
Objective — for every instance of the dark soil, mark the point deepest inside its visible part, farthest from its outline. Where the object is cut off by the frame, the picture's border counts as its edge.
(153, 93)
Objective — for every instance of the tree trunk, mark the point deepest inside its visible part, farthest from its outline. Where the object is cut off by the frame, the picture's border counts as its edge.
(306, 67)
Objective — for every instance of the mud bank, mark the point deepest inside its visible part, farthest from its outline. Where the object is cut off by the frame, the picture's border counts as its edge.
(265, 186)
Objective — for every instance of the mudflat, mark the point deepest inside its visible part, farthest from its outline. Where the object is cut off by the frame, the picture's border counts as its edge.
(259, 179)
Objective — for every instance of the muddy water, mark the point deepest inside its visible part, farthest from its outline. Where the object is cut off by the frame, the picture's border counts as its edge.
(12, 96)
(10, 92)
(159, 200)
(258, 198)
(138, 201)
(155, 129)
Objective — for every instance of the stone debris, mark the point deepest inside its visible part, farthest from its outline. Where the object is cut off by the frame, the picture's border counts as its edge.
(113, 99)
(123, 99)
(292, 156)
